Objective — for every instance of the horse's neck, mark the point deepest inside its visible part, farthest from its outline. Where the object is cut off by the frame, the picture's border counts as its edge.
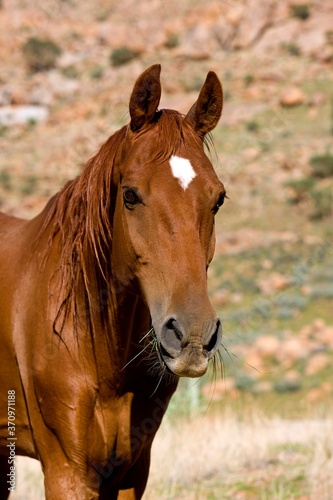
(118, 322)
(132, 321)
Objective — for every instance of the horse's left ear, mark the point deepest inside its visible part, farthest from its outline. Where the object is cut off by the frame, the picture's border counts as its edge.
(206, 112)
(145, 97)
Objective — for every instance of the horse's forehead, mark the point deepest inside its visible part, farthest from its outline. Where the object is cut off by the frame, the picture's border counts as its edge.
(146, 164)
(182, 169)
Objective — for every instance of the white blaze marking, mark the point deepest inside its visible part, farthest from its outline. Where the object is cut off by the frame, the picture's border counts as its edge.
(182, 170)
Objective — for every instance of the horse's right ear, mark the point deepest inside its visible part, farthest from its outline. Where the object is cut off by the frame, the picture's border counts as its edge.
(206, 112)
(145, 97)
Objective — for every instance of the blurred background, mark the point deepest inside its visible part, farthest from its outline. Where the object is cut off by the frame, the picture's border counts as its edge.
(259, 425)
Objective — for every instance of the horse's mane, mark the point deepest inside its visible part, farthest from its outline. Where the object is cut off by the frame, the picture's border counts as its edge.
(80, 216)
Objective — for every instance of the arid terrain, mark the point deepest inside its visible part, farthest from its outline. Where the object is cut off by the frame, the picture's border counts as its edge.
(260, 426)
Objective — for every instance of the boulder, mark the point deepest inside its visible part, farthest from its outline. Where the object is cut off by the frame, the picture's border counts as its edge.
(267, 345)
(316, 363)
(11, 115)
(292, 96)
(257, 16)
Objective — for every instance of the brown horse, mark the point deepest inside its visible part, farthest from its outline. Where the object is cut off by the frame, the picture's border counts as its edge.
(104, 304)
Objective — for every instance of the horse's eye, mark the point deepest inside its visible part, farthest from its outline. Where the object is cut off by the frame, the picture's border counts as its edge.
(220, 202)
(130, 198)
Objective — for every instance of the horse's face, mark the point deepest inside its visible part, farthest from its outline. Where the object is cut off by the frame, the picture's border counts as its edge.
(164, 223)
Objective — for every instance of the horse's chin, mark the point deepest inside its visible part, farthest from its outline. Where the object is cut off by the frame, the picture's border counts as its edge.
(183, 365)
(179, 370)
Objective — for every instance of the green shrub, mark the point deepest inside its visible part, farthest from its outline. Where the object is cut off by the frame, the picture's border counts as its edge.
(6, 180)
(285, 312)
(323, 290)
(292, 300)
(172, 41)
(301, 11)
(3, 130)
(322, 202)
(70, 72)
(122, 55)
(248, 79)
(40, 54)
(29, 185)
(329, 36)
(244, 383)
(292, 48)
(300, 189)
(252, 126)
(287, 385)
(322, 165)
(96, 72)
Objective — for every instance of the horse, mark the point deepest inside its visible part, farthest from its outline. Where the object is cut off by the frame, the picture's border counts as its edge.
(104, 302)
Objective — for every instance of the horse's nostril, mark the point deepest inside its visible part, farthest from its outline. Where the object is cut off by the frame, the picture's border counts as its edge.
(171, 337)
(171, 324)
(215, 338)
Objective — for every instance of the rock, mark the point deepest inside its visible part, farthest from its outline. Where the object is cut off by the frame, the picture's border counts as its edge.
(221, 298)
(318, 393)
(236, 298)
(313, 36)
(198, 43)
(235, 13)
(292, 96)
(317, 363)
(61, 87)
(326, 54)
(264, 386)
(41, 96)
(234, 113)
(254, 361)
(11, 115)
(267, 345)
(273, 283)
(325, 336)
(277, 36)
(250, 154)
(292, 349)
(318, 325)
(257, 16)
(5, 97)
(224, 32)
(292, 376)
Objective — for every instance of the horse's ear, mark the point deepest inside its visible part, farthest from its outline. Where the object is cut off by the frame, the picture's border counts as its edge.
(206, 112)
(145, 97)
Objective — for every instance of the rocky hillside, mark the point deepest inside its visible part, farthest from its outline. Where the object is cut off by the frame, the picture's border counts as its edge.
(103, 45)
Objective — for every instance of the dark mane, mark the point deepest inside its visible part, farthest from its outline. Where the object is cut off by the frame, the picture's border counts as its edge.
(80, 216)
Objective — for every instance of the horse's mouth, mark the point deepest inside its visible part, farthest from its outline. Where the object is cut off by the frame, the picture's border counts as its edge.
(163, 355)
(183, 365)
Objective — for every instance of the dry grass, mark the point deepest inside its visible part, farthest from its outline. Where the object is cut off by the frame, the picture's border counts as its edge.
(234, 457)
(256, 457)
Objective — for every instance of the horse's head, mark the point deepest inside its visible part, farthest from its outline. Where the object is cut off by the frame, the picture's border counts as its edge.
(167, 197)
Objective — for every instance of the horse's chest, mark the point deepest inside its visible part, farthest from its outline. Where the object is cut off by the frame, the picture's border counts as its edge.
(136, 427)
(125, 433)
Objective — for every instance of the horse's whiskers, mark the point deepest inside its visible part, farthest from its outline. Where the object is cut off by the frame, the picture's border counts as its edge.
(136, 356)
(158, 383)
(151, 354)
(150, 332)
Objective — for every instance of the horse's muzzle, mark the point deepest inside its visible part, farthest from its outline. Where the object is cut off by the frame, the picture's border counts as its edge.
(187, 355)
